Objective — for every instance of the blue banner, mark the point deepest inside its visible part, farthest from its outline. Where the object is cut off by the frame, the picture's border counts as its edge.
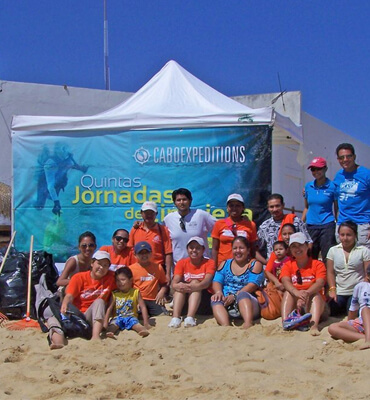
(68, 182)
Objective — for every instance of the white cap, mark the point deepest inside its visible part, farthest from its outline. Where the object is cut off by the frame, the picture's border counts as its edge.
(298, 237)
(149, 205)
(197, 239)
(235, 196)
(101, 255)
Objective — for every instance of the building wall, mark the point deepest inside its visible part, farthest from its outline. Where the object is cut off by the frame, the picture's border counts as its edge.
(289, 162)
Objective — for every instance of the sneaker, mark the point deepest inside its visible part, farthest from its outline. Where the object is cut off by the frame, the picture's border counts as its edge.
(189, 322)
(175, 322)
(295, 320)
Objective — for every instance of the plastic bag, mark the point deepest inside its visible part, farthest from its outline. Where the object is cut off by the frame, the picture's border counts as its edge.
(13, 281)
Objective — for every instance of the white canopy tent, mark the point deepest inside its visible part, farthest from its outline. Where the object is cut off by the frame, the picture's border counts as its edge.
(173, 98)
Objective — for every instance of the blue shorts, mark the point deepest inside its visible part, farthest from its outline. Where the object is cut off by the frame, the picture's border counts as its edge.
(125, 322)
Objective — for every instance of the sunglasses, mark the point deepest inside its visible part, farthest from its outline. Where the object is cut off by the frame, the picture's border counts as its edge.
(234, 230)
(182, 224)
(316, 169)
(299, 277)
(88, 245)
(121, 239)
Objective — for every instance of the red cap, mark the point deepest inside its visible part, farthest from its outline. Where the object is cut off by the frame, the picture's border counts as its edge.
(317, 162)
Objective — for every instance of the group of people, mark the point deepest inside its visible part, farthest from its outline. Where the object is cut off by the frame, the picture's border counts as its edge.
(142, 268)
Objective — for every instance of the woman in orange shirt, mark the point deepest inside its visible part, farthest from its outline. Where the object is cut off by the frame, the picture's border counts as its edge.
(226, 230)
(120, 254)
(303, 279)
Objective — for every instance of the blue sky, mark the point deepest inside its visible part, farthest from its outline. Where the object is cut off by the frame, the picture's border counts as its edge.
(318, 47)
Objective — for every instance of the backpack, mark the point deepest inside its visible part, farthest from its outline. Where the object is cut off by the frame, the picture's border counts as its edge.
(73, 324)
(269, 299)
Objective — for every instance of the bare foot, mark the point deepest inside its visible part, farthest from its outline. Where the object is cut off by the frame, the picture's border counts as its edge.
(365, 346)
(314, 331)
(55, 346)
(247, 325)
(144, 333)
(110, 335)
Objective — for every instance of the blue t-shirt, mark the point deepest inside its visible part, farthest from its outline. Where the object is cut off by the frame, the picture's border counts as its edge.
(233, 283)
(320, 202)
(353, 195)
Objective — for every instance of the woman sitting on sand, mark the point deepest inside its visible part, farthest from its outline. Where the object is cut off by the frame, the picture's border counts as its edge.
(89, 291)
(191, 279)
(346, 264)
(80, 262)
(357, 326)
(303, 280)
(234, 284)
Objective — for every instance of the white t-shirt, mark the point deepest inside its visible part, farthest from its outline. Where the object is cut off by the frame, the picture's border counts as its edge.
(197, 223)
(360, 297)
(348, 275)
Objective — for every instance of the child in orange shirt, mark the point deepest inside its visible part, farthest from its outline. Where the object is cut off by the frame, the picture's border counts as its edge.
(150, 279)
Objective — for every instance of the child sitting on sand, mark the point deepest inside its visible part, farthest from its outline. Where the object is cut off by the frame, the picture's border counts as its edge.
(150, 279)
(123, 306)
(192, 277)
(356, 328)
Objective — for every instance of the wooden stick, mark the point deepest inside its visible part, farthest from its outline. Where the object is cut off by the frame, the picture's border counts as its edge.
(7, 252)
(29, 286)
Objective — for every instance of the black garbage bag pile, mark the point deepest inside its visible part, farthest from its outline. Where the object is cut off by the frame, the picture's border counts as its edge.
(13, 281)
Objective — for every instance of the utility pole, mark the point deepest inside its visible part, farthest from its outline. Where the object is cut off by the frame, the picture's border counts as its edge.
(106, 64)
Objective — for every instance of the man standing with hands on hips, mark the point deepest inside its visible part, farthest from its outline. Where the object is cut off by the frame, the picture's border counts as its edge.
(353, 189)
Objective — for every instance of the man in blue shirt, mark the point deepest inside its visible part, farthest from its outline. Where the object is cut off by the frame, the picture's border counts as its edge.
(353, 187)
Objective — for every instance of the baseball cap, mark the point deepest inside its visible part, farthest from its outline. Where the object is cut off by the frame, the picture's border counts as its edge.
(298, 237)
(101, 255)
(235, 196)
(149, 205)
(317, 162)
(142, 246)
(197, 239)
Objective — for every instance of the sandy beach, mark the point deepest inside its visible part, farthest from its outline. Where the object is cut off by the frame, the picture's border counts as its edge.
(204, 362)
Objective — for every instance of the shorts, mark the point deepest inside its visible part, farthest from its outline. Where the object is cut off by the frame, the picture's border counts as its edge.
(124, 322)
(358, 324)
(241, 296)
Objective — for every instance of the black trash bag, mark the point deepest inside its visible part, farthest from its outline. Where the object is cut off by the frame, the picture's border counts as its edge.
(14, 281)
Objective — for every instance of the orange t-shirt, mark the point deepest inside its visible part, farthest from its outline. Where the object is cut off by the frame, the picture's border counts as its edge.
(118, 260)
(155, 238)
(223, 231)
(188, 271)
(148, 279)
(313, 271)
(85, 290)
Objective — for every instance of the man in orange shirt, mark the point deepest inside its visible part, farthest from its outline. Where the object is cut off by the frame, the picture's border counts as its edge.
(156, 235)
(150, 279)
